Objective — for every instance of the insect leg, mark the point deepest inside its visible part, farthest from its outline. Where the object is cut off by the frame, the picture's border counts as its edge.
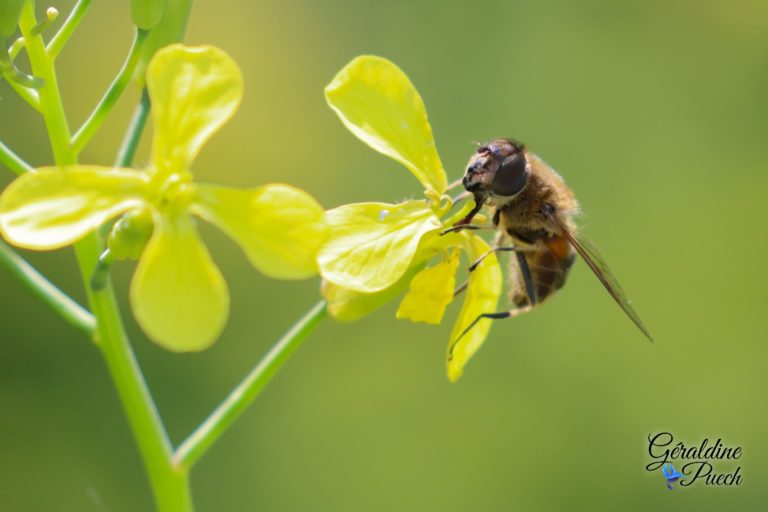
(499, 315)
(471, 215)
(479, 260)
(471, 227)
(461, 288)
(527, 278)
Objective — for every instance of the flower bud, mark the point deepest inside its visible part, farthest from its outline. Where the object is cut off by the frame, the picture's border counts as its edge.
(169, 30)
(146, 13)
(130, 234)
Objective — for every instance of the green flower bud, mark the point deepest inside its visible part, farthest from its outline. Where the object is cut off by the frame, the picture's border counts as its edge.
(146, 13)
(130, 234)
(10, 12)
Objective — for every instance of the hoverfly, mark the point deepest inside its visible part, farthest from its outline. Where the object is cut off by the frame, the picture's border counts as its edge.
(533, 213)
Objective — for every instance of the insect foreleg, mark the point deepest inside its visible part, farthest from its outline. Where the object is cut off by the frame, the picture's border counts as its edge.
(471, 227)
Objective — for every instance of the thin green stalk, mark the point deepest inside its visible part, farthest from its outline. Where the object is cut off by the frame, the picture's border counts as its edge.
(133, 135)
(21, 82)
(13, 161)
(244, 393)
(67, 28)
(51, 105)
(28, 95)
(169, 484)
(59, 301)
(115, 90)
(16, 48)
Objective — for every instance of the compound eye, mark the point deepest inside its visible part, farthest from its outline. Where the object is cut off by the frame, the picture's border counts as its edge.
(511, 176)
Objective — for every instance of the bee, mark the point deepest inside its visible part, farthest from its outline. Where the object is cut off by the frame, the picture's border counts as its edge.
(533, 213)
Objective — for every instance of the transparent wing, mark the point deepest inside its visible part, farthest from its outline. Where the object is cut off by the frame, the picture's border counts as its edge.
(595, 262)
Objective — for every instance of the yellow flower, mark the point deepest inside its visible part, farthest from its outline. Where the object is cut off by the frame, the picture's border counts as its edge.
(178, 295)
(376, 251)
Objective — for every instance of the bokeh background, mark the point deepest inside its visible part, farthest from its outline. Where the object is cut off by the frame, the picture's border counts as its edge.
(654, 111)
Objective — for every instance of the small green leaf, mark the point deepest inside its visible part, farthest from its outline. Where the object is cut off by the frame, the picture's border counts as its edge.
(55, 207)
(483, 293)
(178, 294)
(280, 228)
(431, 290)
(371, 245)
(194, 91)
(378, 103)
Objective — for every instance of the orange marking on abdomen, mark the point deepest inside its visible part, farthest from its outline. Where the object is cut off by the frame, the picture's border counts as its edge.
(559, 246)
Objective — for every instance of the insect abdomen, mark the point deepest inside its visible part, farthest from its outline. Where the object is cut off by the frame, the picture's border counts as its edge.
(549, 269)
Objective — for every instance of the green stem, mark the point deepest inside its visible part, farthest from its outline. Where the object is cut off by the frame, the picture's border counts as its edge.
(67, 28)
(170, 484)
(133, 135)
(16, 48)
(59, 301)
(28, 95)
(51, 105)
(13, 161)
(22, 83)
(115, 90)
(244, 393)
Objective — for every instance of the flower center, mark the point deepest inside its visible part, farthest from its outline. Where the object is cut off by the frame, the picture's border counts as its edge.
(173, 192)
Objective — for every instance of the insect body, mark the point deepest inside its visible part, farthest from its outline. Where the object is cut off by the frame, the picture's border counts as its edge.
(533, 213)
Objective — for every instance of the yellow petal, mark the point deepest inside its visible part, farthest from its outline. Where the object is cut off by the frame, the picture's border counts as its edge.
(378, 103)
(194, 91)
(55, 207)
(348, 305)
(280, 228)
(371, 245)
(431, 292)
(178, 294)
(482, 297)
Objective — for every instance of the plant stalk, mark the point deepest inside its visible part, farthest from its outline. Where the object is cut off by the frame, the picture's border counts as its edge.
(170, 485)
(13, 161)
(61, 303)
(244, 393)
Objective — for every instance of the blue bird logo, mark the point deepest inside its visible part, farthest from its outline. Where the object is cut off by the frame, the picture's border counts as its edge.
(671, 474)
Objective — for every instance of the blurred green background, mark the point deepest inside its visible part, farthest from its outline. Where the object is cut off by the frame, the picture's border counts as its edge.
(655, 113)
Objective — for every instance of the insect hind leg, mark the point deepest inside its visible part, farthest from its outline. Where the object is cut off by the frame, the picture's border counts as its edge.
(499, 315)
(527, 278)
